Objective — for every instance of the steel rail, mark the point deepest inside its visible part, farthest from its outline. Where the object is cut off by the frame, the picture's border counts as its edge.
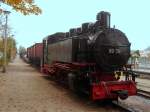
(143, 93)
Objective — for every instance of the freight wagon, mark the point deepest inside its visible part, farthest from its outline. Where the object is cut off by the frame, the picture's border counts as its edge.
(35, 53)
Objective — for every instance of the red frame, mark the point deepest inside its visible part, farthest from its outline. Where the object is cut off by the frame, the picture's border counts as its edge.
(99, 91)
(104, 90)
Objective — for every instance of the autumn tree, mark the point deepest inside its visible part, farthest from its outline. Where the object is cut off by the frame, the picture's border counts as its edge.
(11, 49)
(24, 6)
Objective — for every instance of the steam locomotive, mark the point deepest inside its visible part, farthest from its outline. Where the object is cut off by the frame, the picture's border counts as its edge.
(88, 59)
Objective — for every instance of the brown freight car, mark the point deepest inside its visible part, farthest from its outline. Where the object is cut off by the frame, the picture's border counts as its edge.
(34, 54)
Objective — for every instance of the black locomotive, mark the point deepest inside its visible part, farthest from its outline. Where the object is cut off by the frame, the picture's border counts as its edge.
(95, 42)
(89, 58)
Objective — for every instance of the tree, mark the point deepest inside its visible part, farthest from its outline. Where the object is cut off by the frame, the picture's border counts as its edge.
(11, 49)
(24, 6)
(22, 51)
(135, 55)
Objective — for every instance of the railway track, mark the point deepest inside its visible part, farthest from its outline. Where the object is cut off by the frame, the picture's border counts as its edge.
(143, 93)
(143, 72)
(140, 92)
(128, 107)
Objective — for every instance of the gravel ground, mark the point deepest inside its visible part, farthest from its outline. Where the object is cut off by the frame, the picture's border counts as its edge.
(24, 89)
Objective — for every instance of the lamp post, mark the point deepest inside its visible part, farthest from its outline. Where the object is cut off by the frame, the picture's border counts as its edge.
(5, 42)
(11, 51)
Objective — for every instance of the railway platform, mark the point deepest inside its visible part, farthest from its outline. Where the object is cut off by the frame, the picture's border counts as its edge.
(24, 89)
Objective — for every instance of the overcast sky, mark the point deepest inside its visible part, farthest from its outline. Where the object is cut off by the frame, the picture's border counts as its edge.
(130, 16)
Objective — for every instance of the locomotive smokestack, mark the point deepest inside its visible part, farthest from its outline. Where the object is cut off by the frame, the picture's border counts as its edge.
(104, 19)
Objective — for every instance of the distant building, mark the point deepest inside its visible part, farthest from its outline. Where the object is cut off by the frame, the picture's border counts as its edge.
(144, 53)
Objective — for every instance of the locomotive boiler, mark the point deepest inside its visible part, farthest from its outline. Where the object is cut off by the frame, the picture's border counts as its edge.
(91, 59)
